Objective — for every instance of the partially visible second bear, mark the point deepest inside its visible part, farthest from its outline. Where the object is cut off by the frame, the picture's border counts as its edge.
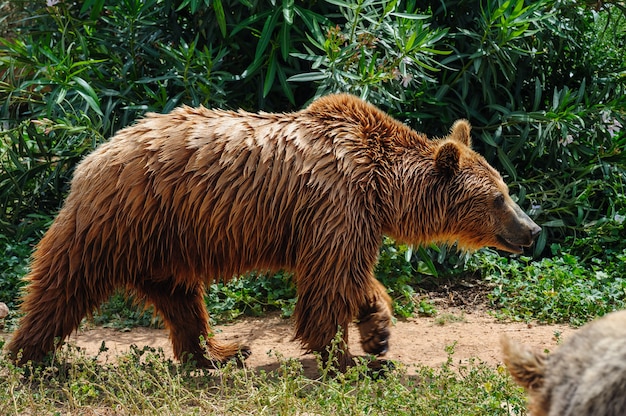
(586, 376)
(183, 199)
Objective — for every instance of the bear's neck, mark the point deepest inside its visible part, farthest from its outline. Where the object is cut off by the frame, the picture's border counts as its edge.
(413, 200)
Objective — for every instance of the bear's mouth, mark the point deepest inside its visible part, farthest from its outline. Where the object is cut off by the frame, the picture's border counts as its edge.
(511, 246)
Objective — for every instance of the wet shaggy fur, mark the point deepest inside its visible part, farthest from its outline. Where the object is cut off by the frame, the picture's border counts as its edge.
(586, 376)
(182, 199)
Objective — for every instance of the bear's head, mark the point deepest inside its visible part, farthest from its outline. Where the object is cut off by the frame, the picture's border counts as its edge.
(456, 197)
(478, 208)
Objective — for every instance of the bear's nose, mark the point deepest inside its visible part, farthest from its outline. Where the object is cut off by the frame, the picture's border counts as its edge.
(534, 231)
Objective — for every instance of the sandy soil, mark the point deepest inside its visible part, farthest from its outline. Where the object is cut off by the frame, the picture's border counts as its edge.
(462, 320)
(421, 341)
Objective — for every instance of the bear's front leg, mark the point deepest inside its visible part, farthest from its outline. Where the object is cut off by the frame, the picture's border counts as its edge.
(374, 319)
(323, 310)
(319, 315)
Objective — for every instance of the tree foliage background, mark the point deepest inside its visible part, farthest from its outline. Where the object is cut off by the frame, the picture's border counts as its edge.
(542, 82)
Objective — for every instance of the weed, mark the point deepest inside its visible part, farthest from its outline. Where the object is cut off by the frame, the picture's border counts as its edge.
(447, 318)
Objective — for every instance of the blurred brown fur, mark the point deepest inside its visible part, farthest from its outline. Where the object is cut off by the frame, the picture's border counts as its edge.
(586, 376)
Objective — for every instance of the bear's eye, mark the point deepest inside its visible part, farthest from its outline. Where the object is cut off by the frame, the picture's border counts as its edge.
(499, 201)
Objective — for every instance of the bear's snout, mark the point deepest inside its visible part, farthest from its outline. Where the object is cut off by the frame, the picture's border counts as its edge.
(518, 231)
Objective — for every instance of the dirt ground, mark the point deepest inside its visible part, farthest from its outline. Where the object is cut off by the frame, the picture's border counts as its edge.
(462, 320)
(413, 341)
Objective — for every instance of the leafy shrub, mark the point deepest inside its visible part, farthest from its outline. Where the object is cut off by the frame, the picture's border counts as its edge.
(376, 54)
(251, 295)
(557, 289)
(13, 266)
(123, 312)
(71, 81)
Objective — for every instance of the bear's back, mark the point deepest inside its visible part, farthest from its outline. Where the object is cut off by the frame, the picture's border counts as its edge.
(231, 190)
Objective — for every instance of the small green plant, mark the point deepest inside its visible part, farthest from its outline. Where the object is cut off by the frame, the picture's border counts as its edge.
(400, 269)
(558, 337)
(447, 318)
(122, 312)
(251, 295)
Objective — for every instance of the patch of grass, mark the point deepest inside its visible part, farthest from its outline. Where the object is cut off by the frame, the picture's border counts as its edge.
(145, 382)
(447, 318)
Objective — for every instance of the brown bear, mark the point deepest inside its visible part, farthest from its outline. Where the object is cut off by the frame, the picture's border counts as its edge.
(182, 199)
(586, 376)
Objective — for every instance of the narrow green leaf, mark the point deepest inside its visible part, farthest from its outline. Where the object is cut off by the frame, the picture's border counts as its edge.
(93, 104)
(183, 4)
(288, 11)
(270, 75)
(423, 255)
(266, 35)
(218, 7)
(308, 76)
(506, 162)
(410, 16)
(312, 21)
(486, 138)
(88, 94)
(538, 94)
(249, 21)
(553, 223)
(285, 41)
(556, 98)
(540, 244)
(345, 4)
(283, 82)
(60, 93)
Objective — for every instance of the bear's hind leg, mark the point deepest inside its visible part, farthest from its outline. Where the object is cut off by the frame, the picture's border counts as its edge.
(185, 315)
(53, 311)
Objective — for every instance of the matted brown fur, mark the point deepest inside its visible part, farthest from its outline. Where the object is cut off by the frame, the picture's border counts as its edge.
(586, 376)
(181, 199)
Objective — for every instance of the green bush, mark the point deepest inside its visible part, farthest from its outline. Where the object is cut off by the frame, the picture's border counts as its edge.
(556, 289)
(381, 49)
(13, 266)
(251, 295)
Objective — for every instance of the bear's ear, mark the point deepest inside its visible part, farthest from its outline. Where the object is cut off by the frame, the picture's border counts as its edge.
(460, 132)
(447, 158)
